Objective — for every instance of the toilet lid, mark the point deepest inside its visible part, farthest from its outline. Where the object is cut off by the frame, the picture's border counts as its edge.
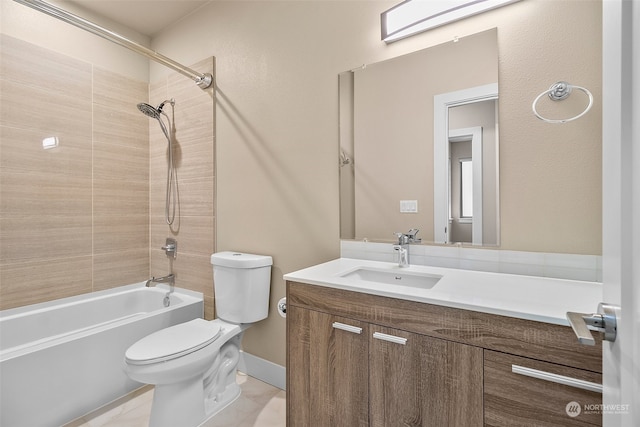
(173, 342)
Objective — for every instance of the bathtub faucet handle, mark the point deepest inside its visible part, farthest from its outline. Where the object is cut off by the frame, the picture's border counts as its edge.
(171, 248)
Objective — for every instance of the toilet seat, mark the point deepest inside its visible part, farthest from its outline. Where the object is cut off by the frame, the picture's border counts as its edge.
(173, 342)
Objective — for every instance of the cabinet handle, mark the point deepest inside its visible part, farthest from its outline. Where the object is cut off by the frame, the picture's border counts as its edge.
(555, 378)
(348, 328)
(390, 338)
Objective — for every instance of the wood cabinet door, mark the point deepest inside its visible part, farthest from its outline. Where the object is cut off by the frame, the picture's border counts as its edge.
(327, 381)
(522, 392)
(417, 380)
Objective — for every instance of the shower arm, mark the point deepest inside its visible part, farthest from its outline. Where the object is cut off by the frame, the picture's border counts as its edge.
(202, 80)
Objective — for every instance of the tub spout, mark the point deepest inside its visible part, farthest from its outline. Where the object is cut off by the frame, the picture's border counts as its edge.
(170, 279)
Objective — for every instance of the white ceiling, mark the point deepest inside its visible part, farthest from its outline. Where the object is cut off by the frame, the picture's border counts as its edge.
(146, 17)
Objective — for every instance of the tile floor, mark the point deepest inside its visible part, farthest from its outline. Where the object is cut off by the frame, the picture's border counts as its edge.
(259, 405)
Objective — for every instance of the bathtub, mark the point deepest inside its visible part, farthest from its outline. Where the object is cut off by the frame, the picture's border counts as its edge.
(62, 359)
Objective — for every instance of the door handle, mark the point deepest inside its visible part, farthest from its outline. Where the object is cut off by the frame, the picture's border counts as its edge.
(604, 321)
(348, 328)
(555, 378)
(390, 338)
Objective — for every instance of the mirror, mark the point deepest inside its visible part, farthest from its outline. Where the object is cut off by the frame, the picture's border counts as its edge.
(400, 120)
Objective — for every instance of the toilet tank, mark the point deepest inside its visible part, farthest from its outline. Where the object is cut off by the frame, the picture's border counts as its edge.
(241, 285)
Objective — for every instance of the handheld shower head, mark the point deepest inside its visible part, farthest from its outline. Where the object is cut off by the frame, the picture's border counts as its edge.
(149, 111)
(171, 194)
(153, 112)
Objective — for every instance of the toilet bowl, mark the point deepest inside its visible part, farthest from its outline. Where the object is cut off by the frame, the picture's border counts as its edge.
(193, 364)
(186, 363)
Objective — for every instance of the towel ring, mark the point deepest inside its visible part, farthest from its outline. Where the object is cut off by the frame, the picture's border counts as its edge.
(557, 92)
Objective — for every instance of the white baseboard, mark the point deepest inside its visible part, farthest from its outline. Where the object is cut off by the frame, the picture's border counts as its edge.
(263, 370)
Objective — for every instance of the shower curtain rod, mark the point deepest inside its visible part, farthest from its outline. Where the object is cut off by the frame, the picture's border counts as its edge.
(202, 80)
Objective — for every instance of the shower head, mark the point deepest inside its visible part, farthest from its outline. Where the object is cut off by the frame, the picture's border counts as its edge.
(153, 112)
(171, 195)
(149, 111)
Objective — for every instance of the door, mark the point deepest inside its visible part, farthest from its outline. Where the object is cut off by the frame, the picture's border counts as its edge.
(328, 365)
(621, 209)
(417, 380)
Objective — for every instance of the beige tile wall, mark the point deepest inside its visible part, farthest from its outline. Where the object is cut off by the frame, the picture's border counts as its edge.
(120, 181)
(73, 219)
(194, 146)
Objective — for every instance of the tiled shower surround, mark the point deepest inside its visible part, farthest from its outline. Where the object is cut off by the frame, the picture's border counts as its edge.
(194, 159)
(87, 215)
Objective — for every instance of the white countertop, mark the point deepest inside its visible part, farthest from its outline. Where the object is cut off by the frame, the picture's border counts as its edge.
(526, 297)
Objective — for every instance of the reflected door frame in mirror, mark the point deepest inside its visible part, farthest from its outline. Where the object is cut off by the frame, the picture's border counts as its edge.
(474, 136)
(441, 105)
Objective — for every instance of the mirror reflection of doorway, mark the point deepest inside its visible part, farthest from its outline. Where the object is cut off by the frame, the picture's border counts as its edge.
(467, 115)
(465, 185)
(460, 191)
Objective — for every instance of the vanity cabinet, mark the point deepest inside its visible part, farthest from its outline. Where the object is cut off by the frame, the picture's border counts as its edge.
(343, 372)
(355, 359)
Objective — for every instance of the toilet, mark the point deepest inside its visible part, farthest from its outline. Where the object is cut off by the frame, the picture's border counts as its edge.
(193, 364)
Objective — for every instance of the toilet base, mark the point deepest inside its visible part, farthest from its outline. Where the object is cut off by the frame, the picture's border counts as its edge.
(189, 403)
(179, 404)
(183, 404)
(214, 406)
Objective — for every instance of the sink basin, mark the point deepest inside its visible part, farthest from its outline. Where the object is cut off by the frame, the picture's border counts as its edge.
(388, 277)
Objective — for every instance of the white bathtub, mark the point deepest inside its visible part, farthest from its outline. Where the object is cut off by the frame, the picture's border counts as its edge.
(62, 359)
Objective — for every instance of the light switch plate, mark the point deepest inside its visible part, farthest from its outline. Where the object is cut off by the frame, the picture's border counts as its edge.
(408, 206)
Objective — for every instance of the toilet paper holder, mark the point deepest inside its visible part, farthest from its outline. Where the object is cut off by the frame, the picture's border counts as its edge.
(282, 307)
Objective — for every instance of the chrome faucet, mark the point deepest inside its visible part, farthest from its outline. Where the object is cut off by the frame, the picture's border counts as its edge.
(169, 278)
(403, 255)
(404, 239)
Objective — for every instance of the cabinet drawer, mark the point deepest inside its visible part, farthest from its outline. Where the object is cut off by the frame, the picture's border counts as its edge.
(526, 392)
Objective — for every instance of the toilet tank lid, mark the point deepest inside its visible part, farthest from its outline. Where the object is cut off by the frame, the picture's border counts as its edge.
(240, 260)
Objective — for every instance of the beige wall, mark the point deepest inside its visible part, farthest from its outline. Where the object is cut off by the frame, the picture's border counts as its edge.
(277, 120)
(35, 27)
(80, 218)
(277, 124)
(73, 219)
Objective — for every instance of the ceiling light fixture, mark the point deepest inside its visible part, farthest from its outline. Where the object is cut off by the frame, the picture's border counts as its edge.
(415, 16)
